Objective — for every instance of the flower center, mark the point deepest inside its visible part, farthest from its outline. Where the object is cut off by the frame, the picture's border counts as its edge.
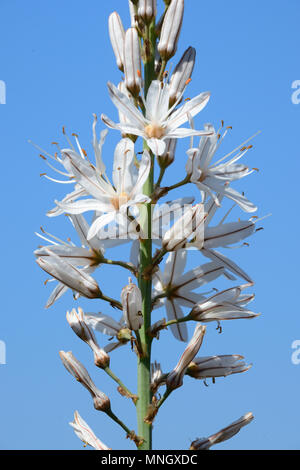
(155, 131)
(119, 200)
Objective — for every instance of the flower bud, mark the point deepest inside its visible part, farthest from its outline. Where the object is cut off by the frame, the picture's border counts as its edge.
(168, 157)
(117, 38)
(69, 275)
(171, 26)
(83, 331)
(182, 74)
(132, 62)
(147, 10)
(101, 401)
(131, 299)
(189, 226)
(175, 378)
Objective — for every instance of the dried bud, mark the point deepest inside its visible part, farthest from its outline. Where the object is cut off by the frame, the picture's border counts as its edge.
(171, 26)
(188, 227)
(78, 324)
(175, 378)
(117, 38)
(131, 298)
(101, 401)
(168, 157)
(223, 435)
(182, 74)
(147, 10)
(132, 62)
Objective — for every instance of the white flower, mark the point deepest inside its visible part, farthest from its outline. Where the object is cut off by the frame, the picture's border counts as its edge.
(175, 288)
(85, 434)
(88, 256)
(223, 435)
(188, 227)
(225, 305)
(160, 122)
(213, 178)
(111, 200)
(108, 326)
(216, 366)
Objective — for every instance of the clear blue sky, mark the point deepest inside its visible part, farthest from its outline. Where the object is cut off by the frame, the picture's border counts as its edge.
(56, 58)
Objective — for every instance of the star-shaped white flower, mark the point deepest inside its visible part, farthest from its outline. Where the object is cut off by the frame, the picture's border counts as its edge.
(175, 288)
(160, 122)
(212, 178)
(110, 200)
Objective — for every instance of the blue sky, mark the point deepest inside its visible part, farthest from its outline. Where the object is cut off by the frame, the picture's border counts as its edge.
(55, 59)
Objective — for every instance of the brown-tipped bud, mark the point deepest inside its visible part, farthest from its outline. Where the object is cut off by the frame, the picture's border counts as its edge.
(182, 75)
(170, 30)
(117, 38)
(78, 324)
(101, 401)
(132, 62)
(168, 157)
(131, 298)
(75, 278)
(147, 10)
(175, 378)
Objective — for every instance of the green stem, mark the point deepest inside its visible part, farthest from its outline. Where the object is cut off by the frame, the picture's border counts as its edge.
(120, 263)
(120, 383)
(144, 361)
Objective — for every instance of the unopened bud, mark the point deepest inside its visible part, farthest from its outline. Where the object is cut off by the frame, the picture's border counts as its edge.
(83, 331)
(132, 62)
(175, 378)
(101, 401)
(131, 298)
(170, 30)
(168, 157)
(147, 10)
(182, 74)
(117, 38)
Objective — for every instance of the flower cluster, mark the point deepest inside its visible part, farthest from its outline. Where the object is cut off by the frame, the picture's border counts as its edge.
(129, 207)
